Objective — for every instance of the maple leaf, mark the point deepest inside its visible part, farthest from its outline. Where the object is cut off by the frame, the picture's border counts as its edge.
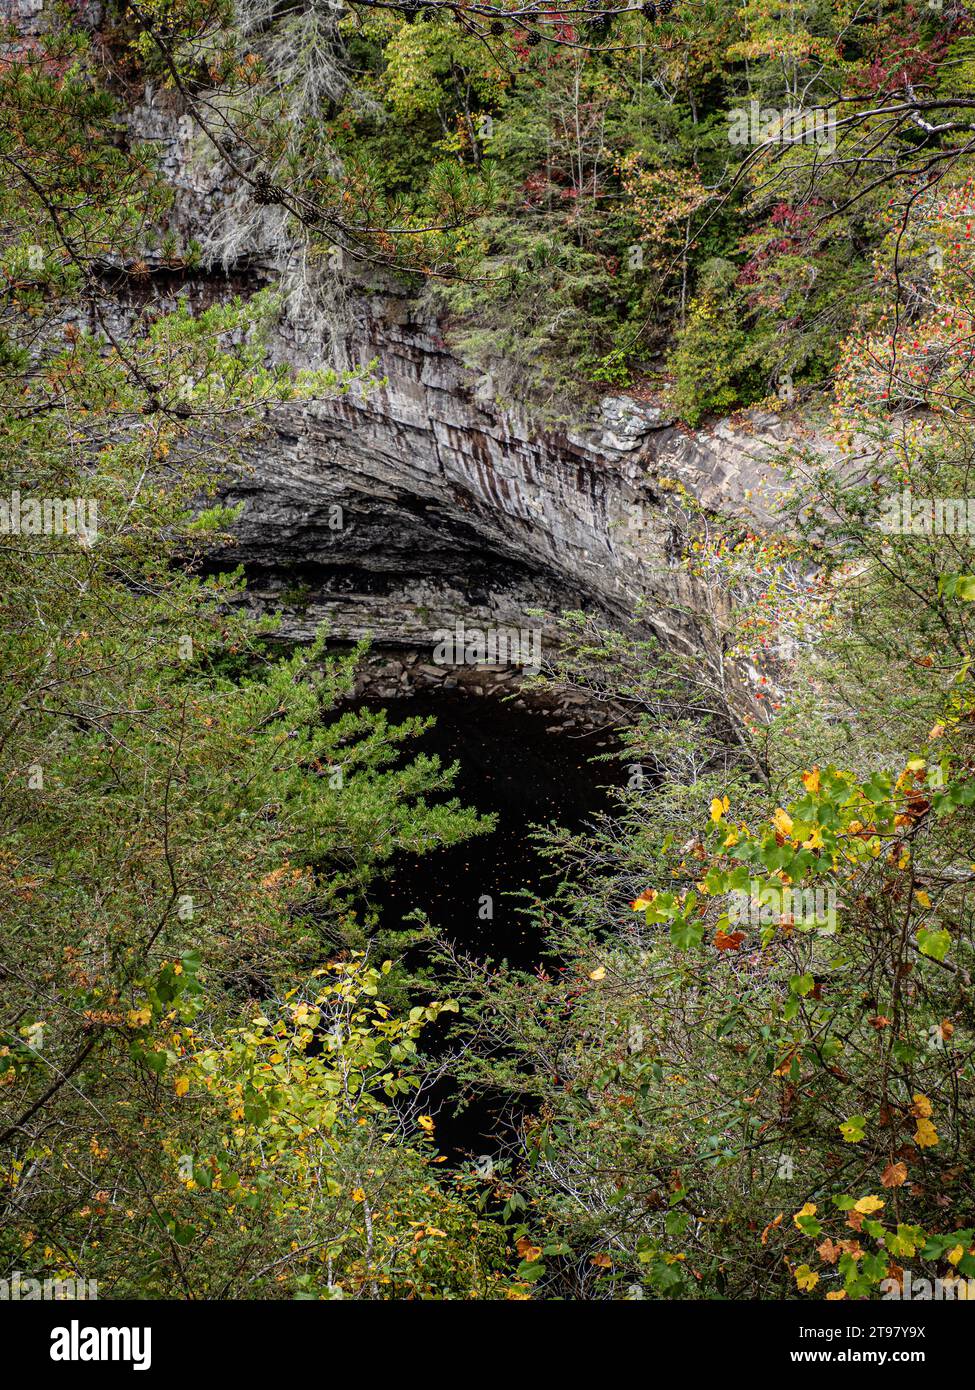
(894, 1175)
(806, 1278)
(829, 1251)
(925, 1136)
(852, 1129)
(922, 1107)
(526, 1250)
(728, 941)
(868, 1205)
(808, 1210)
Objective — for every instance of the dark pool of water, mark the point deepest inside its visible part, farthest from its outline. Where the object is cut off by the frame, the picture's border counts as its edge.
(513, 765)
(509, 765)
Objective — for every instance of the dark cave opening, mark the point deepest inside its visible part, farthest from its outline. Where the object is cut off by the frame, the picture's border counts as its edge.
(519, 765)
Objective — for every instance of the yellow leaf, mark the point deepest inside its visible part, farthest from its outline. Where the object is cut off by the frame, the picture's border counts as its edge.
(358, 1195)
(644, 900)
(923, 1108)
(955, 1255)
(425, 1122)
(717, 809)
(868, 1205)
(925, 1136)
(836, 1295)
(808, 1210)
(923, 898)
(810, 780)
(138, 1018)
(602, 1260)
(599, 973)
(805, 1278)
(815, 840)
(526, 1250)
(181, 1085)
(782, 821)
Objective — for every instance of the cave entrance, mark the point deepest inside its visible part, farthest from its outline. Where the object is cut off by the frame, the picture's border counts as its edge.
(520, 765)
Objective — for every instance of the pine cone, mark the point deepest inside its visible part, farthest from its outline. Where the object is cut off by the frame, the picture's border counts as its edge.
(532, 39)
(649, 11)
(264, 191)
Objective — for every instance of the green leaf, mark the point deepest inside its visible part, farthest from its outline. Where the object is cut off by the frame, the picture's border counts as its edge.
(935, 944)
(853, 1129)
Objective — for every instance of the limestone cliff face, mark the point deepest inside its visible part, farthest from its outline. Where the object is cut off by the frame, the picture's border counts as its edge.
(408, 505)
(422, 502)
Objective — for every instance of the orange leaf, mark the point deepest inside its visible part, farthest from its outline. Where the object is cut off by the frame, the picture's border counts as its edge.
(894, 1175)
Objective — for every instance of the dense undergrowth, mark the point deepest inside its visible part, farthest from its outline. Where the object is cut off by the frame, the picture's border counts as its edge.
(745, 1063)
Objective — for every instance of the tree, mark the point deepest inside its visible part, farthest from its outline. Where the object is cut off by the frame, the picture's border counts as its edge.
(190, 818)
